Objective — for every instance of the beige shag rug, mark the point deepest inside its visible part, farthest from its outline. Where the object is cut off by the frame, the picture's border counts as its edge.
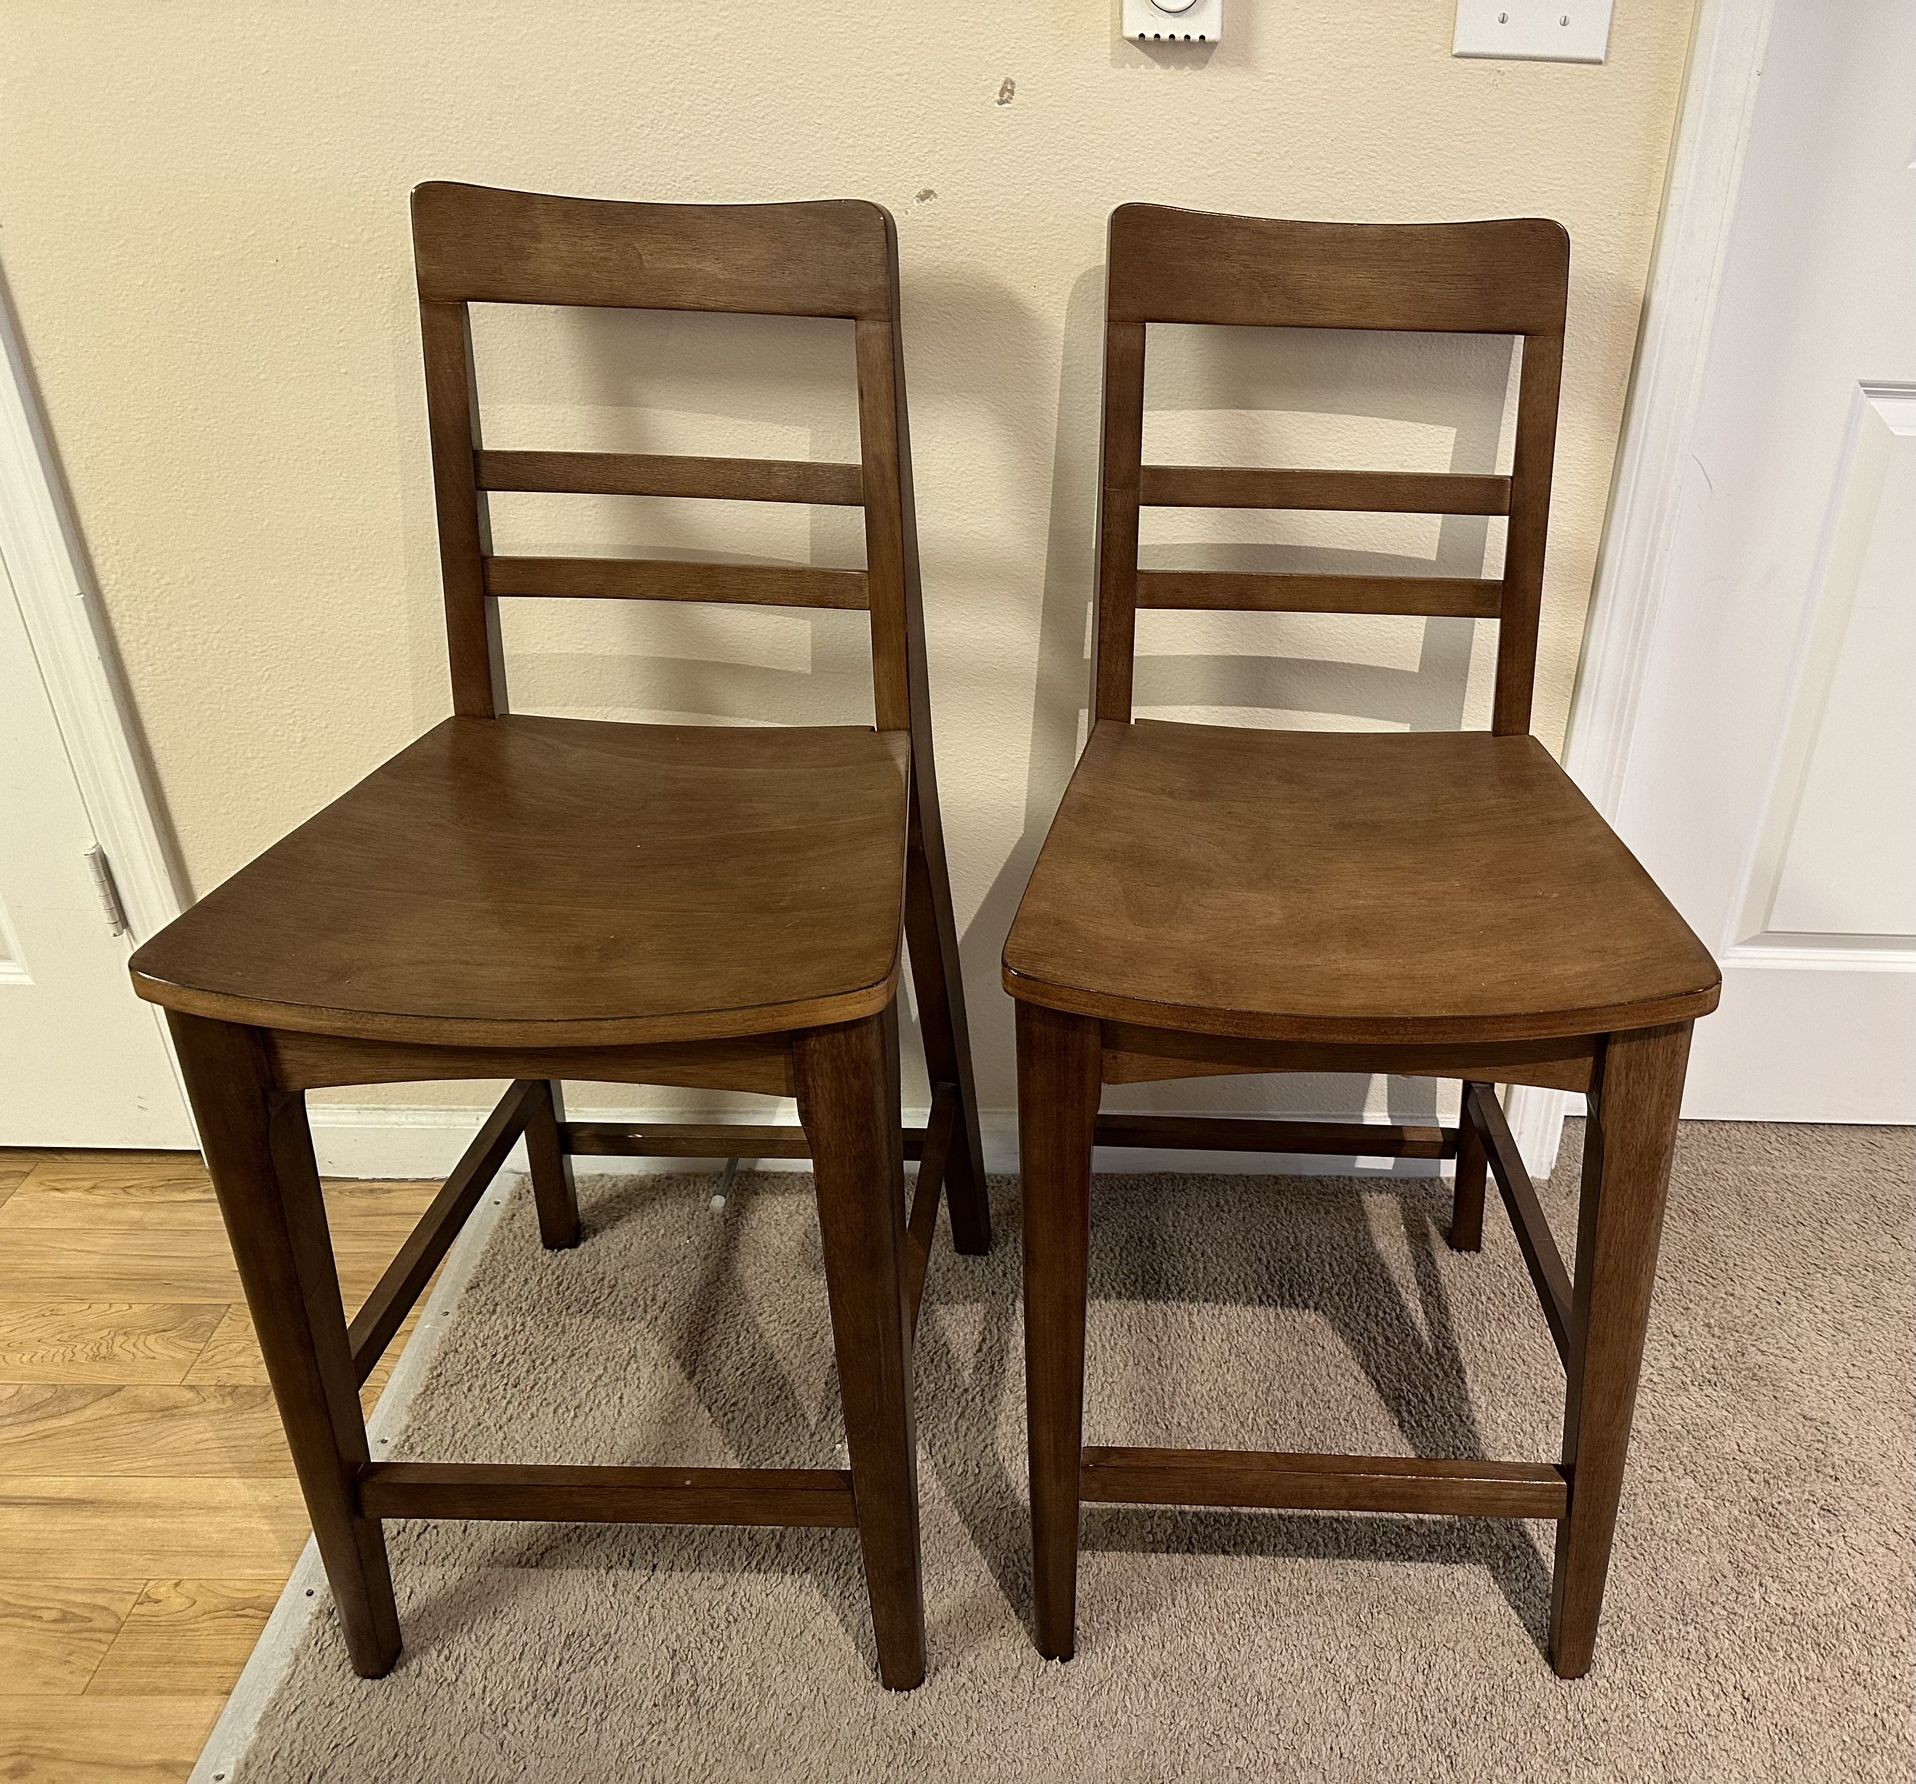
(1759, 1617)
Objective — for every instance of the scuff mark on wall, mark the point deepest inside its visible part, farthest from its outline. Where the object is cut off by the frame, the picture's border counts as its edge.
(1007, 90)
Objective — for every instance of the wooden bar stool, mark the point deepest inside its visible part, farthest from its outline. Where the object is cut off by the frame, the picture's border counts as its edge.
(535, 899)
(1213, 900)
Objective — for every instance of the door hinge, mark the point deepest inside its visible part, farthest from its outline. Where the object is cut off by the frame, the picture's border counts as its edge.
(102, 871)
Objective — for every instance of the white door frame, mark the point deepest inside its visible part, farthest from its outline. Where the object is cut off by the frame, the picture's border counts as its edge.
(1673, 348)
(73, 650)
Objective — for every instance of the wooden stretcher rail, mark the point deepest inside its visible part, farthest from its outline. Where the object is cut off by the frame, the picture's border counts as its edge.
(1233, 591)
(816, 1498)
(1229, 1133)
(1269, 1480)
(669, 579)
(654, 474)
(683, 1140)
(1351, 492)
(1137, 1055)
(760, 1063)
(1534, 1238)
(406, 1276)
(717, 1139)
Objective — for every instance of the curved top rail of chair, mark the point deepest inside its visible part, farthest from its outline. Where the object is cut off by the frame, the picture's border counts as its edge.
(486, 244)
(1507, 275)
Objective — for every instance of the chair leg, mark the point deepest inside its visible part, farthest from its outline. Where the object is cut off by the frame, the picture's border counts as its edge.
(1626, 1172)
(551, 1170)
(931, 931)
(260, 1153)
(1467, 1205)
(1058, 1085)
(847, 1084)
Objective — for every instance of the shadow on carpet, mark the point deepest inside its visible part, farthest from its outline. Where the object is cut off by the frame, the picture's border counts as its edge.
(1759, 1615)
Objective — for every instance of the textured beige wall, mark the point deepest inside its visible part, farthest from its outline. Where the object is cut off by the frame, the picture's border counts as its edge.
(204, 227)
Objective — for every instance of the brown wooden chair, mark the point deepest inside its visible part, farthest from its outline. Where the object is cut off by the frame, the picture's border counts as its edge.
(543, 899)
(1213, 900)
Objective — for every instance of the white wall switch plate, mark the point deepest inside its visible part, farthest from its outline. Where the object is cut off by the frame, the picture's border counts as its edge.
(1533, 30)
(1173, 21)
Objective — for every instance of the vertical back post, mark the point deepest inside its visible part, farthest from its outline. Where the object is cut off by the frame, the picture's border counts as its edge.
(1121, 456)
(1532, 459)
(452, 422)
(901, 700)
(891, 539)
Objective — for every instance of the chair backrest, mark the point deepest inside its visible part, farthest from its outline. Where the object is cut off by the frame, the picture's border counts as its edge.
(835, 258)
(1471, 278)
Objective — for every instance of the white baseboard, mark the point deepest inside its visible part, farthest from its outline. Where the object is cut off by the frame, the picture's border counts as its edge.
(377, 1140)
(1536, 1119)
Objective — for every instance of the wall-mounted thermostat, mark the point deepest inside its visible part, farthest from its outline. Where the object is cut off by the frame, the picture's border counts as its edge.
(1173, 21)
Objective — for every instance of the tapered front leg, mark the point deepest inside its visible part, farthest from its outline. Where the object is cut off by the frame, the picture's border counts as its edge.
(1467, 1204)
(1058, 1083)
(260, 1153)
(553, 1193)
(847, 1083)
(1626, 1169)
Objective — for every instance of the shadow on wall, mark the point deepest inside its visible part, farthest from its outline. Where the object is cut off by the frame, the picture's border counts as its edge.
(1278, 398)
(625, 381)
(776, 387)
(758, 387)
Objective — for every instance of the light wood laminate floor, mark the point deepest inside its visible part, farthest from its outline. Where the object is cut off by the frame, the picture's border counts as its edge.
(148, 1511)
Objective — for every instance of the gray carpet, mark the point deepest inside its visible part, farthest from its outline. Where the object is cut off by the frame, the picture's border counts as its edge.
(1759, 1617)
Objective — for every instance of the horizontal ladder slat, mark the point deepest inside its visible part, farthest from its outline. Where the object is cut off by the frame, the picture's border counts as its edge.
(1232, 591)
(1541, 1257)
(1229, 1133)
(385, 1309)
(1352, 492)
(717, 1139)
(665, 474)
(817, 1498)
(667, 579)
(684, 1140)
(1271, 1481)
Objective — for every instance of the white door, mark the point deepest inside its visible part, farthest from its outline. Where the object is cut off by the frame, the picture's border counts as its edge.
(82, 1061)
(1772, 779)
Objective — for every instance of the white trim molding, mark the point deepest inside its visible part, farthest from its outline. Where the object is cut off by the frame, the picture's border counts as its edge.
(1646, 496)
(1673, 349)
(67, 631)
(72, 645)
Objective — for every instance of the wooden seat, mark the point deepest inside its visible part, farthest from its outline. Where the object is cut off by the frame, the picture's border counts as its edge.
(548, 882)
(542, 899)
(1318, 886)
(1212, 901)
